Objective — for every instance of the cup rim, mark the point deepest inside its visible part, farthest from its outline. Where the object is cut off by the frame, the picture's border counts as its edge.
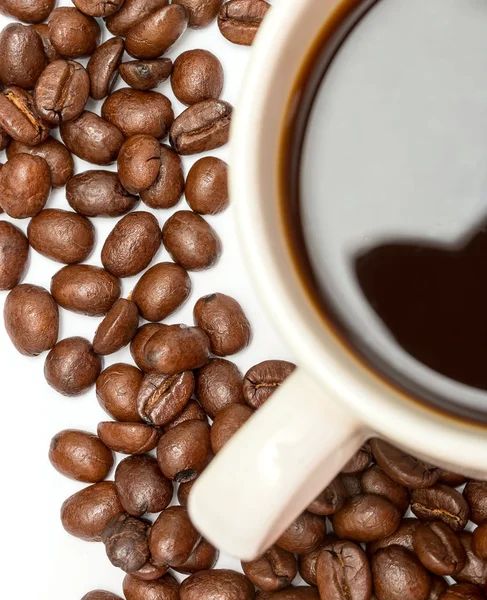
(383, 409)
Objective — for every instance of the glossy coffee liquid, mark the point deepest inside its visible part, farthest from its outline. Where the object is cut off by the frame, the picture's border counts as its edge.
(387, 172)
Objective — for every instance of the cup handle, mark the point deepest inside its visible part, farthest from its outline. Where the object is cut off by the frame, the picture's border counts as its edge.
(274, 467)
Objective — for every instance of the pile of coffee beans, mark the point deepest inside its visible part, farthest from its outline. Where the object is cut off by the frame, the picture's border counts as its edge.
(388, 527)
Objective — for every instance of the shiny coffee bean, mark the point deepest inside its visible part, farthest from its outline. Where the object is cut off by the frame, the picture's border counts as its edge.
(86, 513)
(99, 194)
(352, 482)
(157, 33)
(475, 493)
(134, 112)
(201, 127)
(218, 384)
(203, 557)
(207, 186)
(441, 502)
(85, 289)
(305, 533)
(29, 11)
(23, 58)
(331, 499)
(43, 30)
(438, 587)
(223, 584)
(239, 20)
(139, 161)
(80, 455)
(191, 241)
(149, 572)
(403, 536)
(262, 380)
(14, 255)
(57, 156)
(450, 478)
(100, 595)
(479, 541)
(273, 571)
(184, 451)
(126, 543)
(61, 235)
(4, 139)
(72, 366)
(128, 438)
(131, 245)
(226, 424)
(103, 67)
(475, 568)
(307, 561)
(398, 574)
(165, 588)
(224, 322)
(173, 537)
(168, 188)
(131, 13)
(145, 75)
(62, 91)
(117, 329)
(138, 344)
(359, 461)
(439, 548)
(192, 411)
(116, 390)
(463, 591)
(376, 481)
(197, 76)
(298, 592)
(31, 319)
(19, 117)
(162, 397)
(200, 12)
(98, 8)
(141, 486)
(25, 185)
(73, 33)
(366, 518)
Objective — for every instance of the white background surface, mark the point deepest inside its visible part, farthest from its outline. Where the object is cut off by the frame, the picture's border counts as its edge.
(40, 560)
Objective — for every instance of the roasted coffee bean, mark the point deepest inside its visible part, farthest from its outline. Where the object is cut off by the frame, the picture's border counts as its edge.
(23, 58)
(14, 255)
(298, 592)
(139, 161)
(62, 91)
(475, 493)
(117, 388)
(85, 289)
(43, 30)
(157, 33)
(162, 397)
(192, 411)
(439, 548)
(128, 438)
(397, 574)
(168, 188)
(165, 588)
(376, 481)
(31, 319)
(62, 235)
(304, 534)
(331, 499)
(343, 571)
(475, 569)
(402, 467)
(463, 591)
(197, 76)
(273, 571)
(131, 14)
(73, 33)
(352, 483)
(207, 186)
(359, 461)
(117, 329)
(99, 194)
(221, 584)
(218, 384)
(366, 518)
(173, 537)
(183, 492)
(19, 117)
(25, 185)
(146, 75)
(4, 139)
(29, 11)
(92, 138)
(201, 127)
(438, 587)
(450, 478)
(200, 12)
(134, 112)
(100, 595)
(131, 245)
(239, 20)
(177, 348)
(226, 424)
(80, 455)
(141, 486)
(262, 380)
(86, 513)
(57, 156)
(72, 366)
(307, 562)
(479, 541)
(191, 241)
(184, 451)
(224, 322)
(441, 502)
(98, 8)
(137, 346)
(149, 572)
(103, 67)
(403, 536)
(126, 543)
(203, 557)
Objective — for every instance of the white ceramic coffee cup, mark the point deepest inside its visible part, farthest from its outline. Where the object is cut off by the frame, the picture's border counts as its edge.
(299, 440)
